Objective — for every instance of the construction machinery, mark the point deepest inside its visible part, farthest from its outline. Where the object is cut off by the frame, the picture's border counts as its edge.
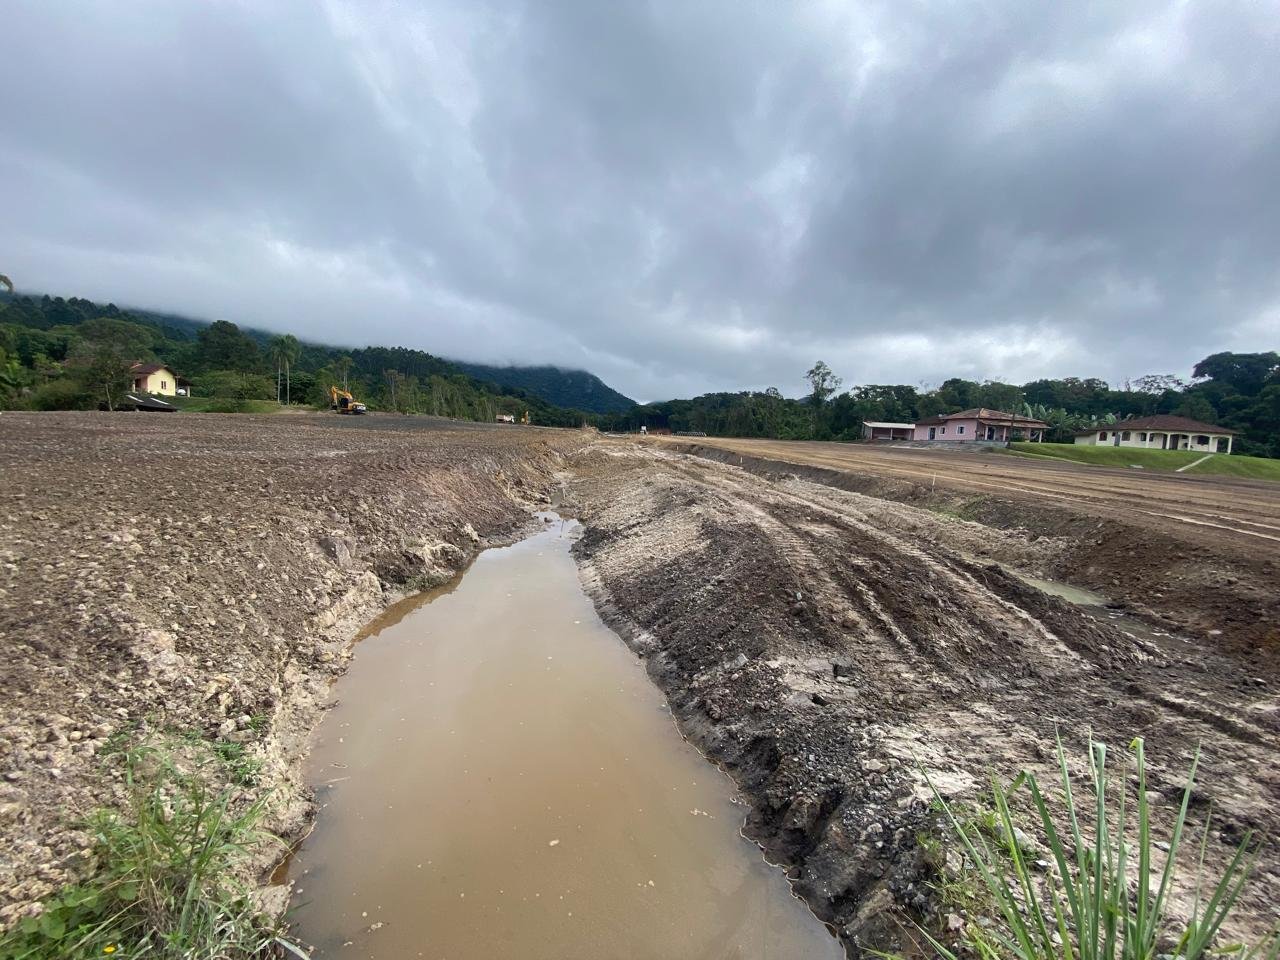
(344, 402)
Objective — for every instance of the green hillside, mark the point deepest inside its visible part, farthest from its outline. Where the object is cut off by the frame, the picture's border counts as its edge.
(72, 353)
(576, 389)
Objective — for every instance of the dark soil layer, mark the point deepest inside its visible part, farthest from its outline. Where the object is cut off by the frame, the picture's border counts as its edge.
(204, 575)
(824, 645)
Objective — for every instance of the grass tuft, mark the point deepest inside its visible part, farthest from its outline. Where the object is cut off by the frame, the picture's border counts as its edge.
(166, 886)
(1103, 895)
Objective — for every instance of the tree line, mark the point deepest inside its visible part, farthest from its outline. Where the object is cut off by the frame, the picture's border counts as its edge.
(74, 354)
(1236, 390)
(66, 354)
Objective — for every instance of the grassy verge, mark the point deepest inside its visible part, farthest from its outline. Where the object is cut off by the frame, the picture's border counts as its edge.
(225, 405)
(1095, 884)
(165, 885)
(1234, 465)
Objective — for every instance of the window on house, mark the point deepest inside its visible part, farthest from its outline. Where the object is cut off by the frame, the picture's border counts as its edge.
(164, 385)
(1142, 437)
(1125, 436)
(1102, 435)
(959, 429)
(1202, 441)
(943, 430)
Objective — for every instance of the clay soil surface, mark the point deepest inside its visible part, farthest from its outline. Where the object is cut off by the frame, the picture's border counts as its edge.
(201, 576)
(822, 619)
(824, 627)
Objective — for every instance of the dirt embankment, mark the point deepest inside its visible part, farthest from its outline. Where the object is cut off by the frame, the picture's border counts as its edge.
(205, 574)
(1196, 553)
(822, 645)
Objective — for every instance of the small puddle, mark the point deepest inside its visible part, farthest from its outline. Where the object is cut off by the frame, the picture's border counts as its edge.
(501, 779)
(1076, 595)
(1098, 605)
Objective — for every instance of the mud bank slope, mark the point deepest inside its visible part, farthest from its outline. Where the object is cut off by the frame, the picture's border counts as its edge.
(1200, 553)
(206, 574)
(820, 644)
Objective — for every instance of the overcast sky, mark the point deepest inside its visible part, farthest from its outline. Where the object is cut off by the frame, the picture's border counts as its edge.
(678, 196)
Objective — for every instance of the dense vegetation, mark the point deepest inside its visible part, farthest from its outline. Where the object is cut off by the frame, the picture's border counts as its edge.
(575, 389)
(74, 354)
(1237, 390)
(58, 354)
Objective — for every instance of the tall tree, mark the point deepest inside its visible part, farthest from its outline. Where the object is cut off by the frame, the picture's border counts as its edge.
(822, 382)
(104, 367)
(275, 350)
(222, 346)
(284, 351)
(6, 282)
(342, 365)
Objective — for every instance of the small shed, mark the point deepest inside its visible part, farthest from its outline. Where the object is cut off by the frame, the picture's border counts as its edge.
(875, 430)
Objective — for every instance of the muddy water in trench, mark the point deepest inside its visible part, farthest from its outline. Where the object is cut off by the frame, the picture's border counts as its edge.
(501, 779)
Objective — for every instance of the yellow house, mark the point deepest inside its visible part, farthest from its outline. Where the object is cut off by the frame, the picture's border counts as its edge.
(154, 378)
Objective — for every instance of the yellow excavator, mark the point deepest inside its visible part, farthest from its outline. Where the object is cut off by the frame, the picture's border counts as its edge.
(343, 402)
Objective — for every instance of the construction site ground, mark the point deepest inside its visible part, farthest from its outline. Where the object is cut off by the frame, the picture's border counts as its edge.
(826, 621)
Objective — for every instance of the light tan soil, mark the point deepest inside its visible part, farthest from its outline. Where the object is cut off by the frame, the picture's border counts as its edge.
(823, 644)
(203, 573)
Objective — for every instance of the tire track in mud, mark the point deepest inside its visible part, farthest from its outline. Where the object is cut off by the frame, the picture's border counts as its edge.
(820, 644)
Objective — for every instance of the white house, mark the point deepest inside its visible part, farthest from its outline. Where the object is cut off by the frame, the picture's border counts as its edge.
(1161, 432)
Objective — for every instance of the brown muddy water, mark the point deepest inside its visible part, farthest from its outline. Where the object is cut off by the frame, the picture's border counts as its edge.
(501, 779)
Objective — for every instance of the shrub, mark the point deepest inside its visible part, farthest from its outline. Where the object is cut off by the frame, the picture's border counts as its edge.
(166, 886)
(64, 394)
(1102, 898)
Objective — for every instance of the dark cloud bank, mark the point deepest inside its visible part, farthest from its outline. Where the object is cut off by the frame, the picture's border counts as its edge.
(678, 196)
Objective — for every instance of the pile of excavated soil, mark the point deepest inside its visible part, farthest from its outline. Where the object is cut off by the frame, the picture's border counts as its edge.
(824, 646)
(205, 574)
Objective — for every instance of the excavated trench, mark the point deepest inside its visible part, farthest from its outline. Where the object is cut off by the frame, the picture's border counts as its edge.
(500, 778)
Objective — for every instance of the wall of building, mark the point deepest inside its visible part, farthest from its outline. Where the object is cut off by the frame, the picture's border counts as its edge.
(1152, 440)
(162, 383)
(956, 430)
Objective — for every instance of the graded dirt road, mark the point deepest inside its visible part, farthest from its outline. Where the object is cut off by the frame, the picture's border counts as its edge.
(824, 645)
(1246, 512)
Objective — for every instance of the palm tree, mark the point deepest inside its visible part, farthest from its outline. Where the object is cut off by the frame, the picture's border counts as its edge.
(6, 282)
(284, 351)
(276, 351)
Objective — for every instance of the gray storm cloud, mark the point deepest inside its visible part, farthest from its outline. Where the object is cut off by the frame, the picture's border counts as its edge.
(680, 197)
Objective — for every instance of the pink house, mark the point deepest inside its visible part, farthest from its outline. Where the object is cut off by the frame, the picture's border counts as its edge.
(979, 424)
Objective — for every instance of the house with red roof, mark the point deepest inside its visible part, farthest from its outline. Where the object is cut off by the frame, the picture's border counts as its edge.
(979, 424)
(1161, 432)
(154, 378)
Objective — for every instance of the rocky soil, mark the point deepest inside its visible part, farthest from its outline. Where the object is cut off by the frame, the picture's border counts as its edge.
(824, 646)
(201, 574)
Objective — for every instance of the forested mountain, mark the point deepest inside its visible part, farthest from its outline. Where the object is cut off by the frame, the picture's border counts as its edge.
(1236, 390)
(60, 353)
(576, 389)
